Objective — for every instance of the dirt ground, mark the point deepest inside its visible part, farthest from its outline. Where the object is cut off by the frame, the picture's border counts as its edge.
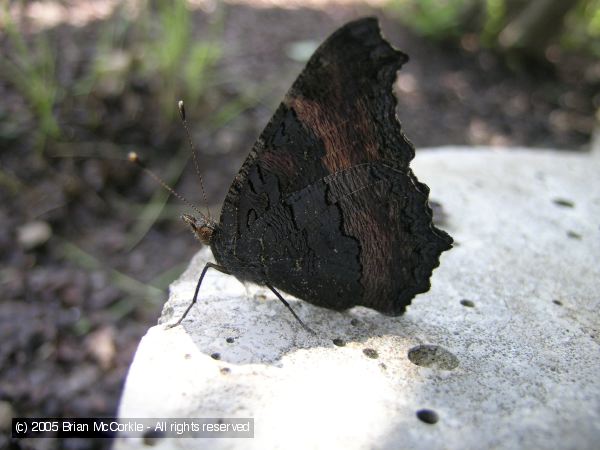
(74, 306)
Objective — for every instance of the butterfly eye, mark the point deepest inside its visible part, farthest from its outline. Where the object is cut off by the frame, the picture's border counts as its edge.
(205, 234)
(201, 227)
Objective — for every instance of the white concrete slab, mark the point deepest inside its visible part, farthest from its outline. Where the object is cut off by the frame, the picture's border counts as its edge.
(520, 368)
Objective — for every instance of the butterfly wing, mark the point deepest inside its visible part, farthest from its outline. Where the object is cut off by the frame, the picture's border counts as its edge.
(325, 206)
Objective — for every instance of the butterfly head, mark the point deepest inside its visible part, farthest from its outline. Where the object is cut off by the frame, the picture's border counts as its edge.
(202, 227)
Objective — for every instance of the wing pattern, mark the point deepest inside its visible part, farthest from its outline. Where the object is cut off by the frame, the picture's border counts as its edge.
(325, 206)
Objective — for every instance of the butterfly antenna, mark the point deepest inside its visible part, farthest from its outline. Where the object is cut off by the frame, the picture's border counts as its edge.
(193, 150)
(134, 158)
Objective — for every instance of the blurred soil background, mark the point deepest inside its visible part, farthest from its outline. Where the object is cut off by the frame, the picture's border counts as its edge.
(89, 244)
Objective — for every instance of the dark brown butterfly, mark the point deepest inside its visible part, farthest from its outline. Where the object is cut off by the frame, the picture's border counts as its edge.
(325, 207)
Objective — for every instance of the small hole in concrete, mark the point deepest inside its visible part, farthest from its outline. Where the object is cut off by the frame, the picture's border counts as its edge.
(557, 302)
(230, 340)
(354, 322)
(151, 437)
(371, 353)
(339, 342)
(225, 370)
(433, 356)
(216, 356)
(467, 303)
(383, 366)
(428, 416)
(573, 235)
(564, 203)
(187, 356)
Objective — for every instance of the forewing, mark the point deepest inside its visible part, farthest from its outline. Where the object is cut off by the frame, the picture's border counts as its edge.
(338, 113)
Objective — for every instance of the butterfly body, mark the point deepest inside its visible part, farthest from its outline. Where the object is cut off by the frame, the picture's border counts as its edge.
(325, 207)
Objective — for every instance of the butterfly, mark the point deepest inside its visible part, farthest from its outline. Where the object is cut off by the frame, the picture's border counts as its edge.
(325, 206)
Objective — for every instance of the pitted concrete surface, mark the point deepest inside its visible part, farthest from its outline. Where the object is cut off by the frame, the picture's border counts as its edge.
(504, 349)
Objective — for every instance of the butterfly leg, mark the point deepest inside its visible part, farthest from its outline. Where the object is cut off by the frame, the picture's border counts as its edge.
(287, 305)
(206, 267)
